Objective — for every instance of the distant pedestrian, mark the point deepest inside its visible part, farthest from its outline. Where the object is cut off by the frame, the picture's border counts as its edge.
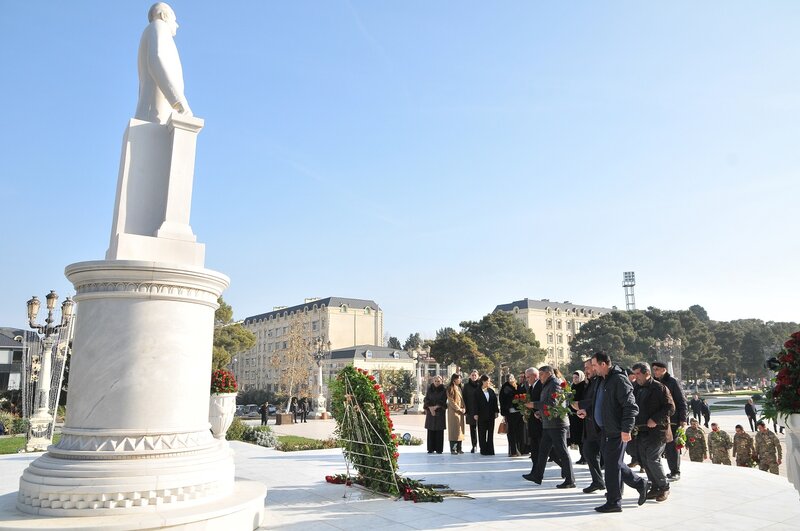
(293, 408)
(719, 445)
(694, 405)
(704, 409)
(752, 413)
(302, 408)
(435, 422)
(768, 449)
(743, 449)
(264, 413)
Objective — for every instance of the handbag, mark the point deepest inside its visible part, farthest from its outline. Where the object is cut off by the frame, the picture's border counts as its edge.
(503, 427)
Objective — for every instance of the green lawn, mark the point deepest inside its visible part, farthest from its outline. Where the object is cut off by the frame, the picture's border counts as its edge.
(12, 445)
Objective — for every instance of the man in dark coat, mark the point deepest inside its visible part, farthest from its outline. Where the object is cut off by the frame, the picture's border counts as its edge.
(655, 408)
(678, 419)
(694, 405)
(752, 413)
(615, 411)
(534, 424)
(471, 388)
(591, 432)
(554, 432)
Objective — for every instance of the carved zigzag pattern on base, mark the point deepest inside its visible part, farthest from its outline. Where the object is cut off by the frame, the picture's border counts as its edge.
(169, 441)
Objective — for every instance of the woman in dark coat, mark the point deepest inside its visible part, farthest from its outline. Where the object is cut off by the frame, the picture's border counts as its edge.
(515, 427)
(575, 422)
(435, 407)
(486, 411)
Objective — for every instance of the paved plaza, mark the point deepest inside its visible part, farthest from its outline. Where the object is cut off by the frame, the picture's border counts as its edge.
(708, 496)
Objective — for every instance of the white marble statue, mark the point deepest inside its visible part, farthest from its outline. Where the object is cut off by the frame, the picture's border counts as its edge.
(160, 72)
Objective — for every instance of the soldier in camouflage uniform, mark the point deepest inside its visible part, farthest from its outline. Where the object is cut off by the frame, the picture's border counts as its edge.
(719, 444)
(696, 442)
(743, 449)
(768, 449)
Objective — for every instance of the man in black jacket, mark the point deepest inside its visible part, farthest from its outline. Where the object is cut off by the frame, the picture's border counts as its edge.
(614, 410)
(655, 407)
(534, 424)
(591, 432)
(752, 413)
(678, 419)
(471, 388)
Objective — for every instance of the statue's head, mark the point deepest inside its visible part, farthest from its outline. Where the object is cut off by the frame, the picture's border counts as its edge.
(162, 11)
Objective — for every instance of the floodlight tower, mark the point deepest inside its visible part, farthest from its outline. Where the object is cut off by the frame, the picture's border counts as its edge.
(628, 282)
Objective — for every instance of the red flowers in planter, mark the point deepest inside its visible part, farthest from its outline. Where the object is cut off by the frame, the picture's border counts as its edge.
(223, 381)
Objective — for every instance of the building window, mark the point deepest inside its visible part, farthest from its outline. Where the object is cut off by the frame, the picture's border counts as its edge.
(367, 310)
(560, 338)
(315, 326)
(558, 324)
(549, 323)
(549, 338)
(578, 325)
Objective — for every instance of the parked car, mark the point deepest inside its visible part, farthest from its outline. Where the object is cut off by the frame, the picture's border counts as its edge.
(240, 410)
(271, 410)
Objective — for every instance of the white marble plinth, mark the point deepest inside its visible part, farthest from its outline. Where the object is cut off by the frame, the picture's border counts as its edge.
(136, 437)
(241, 508)
(792, 456)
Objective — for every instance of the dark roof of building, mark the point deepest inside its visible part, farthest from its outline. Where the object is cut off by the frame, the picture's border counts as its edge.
(328, 301)
(7, 342)
(360, 351)
(546, 303)
(9, 333)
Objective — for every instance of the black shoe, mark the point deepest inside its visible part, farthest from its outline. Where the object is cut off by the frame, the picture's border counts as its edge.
(565, 485)
(580, 462)
(674, 477)
(530, 477)
(608, 509)
(593, 488)
(643, 492)
(654, 492)
(472, 451)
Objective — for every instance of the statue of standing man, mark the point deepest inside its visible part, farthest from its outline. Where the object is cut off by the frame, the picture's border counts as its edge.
(160, 72)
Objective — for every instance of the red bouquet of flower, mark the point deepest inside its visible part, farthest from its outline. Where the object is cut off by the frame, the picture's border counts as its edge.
(783, 399)
(223, 381)
(519, 402)
(561, 402)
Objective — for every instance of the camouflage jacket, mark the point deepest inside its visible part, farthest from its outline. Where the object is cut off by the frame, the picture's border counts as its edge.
(719, 441)
(767, 445)
(743, 446)
(696, 440)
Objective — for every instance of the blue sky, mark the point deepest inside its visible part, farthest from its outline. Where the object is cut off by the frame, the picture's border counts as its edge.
(438, 157)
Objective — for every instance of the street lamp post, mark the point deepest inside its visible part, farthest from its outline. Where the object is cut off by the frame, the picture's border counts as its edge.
(420, 357)
(40, 435)
(322, 351)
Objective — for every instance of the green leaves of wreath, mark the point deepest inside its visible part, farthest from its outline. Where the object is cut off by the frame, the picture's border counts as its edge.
(371, 449)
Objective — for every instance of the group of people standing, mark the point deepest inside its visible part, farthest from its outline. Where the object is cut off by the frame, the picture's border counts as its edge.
(763, 449)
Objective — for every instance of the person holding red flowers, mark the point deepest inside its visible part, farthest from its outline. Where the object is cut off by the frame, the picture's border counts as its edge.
(512, 416)
(554, 432)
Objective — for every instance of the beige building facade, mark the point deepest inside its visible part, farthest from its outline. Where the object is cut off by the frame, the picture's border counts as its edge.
(553, 323)
(337, 322)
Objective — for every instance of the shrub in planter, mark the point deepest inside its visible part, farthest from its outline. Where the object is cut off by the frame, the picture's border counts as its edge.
(236, 430)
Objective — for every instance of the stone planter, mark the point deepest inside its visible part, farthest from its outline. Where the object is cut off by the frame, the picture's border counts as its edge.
(792, 456)
(221, 409)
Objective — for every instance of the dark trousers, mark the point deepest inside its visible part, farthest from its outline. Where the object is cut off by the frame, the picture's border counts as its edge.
(435, 441)
(303, 415)
(696, 415)
(554, 439)
(673, 457)
(515, 434)
(649, 448)
(486, 436)
(752, 421)
(473, 433)
(263, 420)
(617, 472)
(534, 438)
(591, 453)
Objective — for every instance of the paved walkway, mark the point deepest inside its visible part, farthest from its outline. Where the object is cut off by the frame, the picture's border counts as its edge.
(708, 496)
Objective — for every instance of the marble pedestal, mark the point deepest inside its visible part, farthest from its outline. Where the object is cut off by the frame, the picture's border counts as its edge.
(136, 437)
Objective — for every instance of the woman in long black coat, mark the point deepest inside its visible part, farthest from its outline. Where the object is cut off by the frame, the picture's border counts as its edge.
(487, 410)
(575, 422)
(435, 407)
(515, 426)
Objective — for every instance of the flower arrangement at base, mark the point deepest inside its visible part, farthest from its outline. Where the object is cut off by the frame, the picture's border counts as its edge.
(680, 438)
(783, 399)
(561, 406)
(410, 489)
(519, 402)
(223, 381)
